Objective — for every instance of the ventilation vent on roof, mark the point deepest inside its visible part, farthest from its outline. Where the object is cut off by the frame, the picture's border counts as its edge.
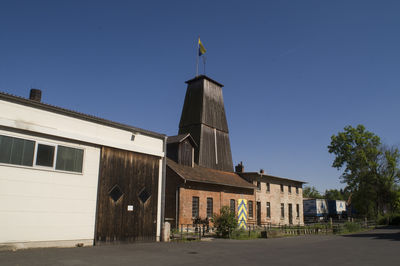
(144, 195)
(115, 193)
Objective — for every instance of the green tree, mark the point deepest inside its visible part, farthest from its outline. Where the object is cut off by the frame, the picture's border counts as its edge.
(311, 192)
(335, 194)
(370, 170)
(225, 222)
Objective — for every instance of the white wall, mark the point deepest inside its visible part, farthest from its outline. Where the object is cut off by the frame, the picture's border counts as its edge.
(37, 120)
(48, 205)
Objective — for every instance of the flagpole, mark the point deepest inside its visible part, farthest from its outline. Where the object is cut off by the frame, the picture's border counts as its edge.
(204, 64)
(197, 57)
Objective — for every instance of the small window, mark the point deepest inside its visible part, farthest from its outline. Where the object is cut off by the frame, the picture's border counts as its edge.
(282, 189)
(250, 203)
(69, 159)
(16, 151)
(297, 210)
(258, 185)
(232, 205)
(210, 207)
(45, 155)
(268, 209)
(195, 207)
(268, 187)
(297, 190)
(282, 210)
(290, 189)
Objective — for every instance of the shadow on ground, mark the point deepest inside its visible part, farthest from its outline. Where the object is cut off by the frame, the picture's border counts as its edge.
(381, 233)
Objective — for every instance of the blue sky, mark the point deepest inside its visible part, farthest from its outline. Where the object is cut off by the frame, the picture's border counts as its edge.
(295, 72)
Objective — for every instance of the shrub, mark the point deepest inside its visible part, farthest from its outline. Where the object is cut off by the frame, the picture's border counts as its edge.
(395, 219)
(389, 219)
(225, 222)
(351, 227)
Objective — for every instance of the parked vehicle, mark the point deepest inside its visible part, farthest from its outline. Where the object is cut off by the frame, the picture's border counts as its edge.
(315, 210)
(337, 209)
(318, 210)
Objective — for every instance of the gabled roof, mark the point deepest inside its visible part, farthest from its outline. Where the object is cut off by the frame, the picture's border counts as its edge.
(208, 175)
(259, 175)
(55, 109)
(181, 137)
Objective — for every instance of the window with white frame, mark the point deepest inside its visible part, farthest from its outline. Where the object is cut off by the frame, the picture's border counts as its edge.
(16, 151)
(24, 152)
(69, 159)
(45, 155)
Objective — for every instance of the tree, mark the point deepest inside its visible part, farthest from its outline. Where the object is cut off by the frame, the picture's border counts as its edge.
(311, 192)
(225, 222)
(370, 169)
(334, 194)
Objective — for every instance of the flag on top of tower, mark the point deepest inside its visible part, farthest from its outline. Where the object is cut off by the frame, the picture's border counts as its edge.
(202, 50)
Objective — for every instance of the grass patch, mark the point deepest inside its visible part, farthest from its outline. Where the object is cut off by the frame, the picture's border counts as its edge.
(245, 235)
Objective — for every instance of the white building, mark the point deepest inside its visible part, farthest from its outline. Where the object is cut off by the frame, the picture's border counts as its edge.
(68, 178)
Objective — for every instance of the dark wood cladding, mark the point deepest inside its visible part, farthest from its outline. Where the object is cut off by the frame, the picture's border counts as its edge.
(181, 152)
(185, 153)
(193, 105)
(208, 144)
(174, 181)
(204, 104)
(203, 116)
(213, 107)
(133, 173)
(173, 151)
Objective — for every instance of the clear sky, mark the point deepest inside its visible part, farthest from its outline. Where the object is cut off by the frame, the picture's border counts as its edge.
(295, 72)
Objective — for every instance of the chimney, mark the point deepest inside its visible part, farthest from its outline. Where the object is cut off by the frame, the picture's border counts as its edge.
(239, 168)
(35, 95)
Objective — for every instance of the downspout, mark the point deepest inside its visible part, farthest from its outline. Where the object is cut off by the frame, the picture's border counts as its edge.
(164, 170)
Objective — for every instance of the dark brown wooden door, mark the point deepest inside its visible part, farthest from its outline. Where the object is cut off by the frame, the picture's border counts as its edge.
(127, 197)
(258, 213)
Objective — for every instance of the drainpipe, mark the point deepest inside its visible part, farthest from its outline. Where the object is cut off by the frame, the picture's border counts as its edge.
(164, 170)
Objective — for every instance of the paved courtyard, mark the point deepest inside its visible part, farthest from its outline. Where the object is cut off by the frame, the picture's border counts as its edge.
(377, 247)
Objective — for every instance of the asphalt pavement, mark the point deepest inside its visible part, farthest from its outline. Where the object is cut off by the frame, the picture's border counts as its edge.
(376, 247)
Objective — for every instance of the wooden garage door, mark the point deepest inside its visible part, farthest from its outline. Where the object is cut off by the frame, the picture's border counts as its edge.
(127, 197)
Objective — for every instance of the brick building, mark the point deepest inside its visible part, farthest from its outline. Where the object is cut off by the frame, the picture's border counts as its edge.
(278, 201)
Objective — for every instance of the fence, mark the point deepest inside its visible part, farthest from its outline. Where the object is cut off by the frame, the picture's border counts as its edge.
(197, 232)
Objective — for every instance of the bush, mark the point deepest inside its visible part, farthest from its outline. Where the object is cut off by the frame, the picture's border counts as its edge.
(389, 219)
(350, 227)
(395, 219)
(225, 222)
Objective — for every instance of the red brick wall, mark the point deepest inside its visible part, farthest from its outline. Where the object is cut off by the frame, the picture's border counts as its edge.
(221, 197)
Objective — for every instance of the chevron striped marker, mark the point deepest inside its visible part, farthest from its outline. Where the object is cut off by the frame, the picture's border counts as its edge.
(242, 213)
